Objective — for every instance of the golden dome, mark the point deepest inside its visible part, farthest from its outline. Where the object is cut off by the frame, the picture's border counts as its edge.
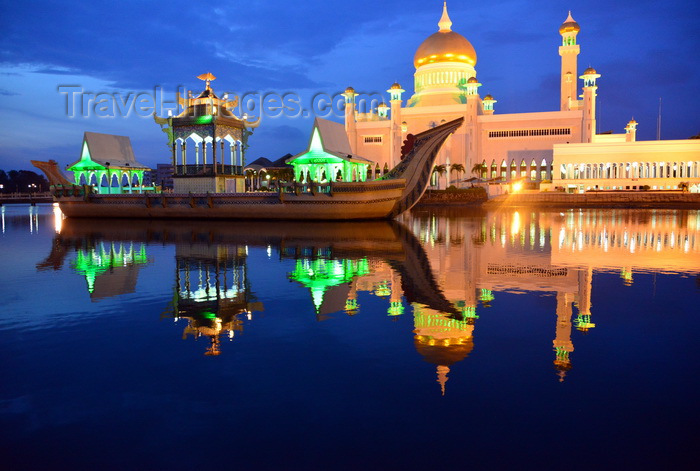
(443, 354)
(590, 71)
(445, 46)
(569, 25)
(488, 97)
(472, 80)
(349, 90)
(396, 86)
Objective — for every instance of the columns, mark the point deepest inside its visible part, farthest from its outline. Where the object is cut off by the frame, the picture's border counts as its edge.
(213, 154)
(221, 141)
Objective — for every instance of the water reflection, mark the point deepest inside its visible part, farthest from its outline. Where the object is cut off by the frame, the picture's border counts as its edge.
(211, 291)
(445, 268)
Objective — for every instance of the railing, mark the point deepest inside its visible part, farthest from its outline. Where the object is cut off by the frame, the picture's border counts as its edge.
(42, 194)
(25, 198)
(308, 188)
(207, 170)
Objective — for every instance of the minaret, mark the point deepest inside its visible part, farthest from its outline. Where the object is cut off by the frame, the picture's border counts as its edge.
(631, 131)
(562, 342)
(569, 52)
(350, 127)
(589, 93)
(396, 141)
(470, 122)
(488, 104)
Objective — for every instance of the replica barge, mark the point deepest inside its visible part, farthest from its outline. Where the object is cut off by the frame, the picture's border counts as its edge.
(386, 197)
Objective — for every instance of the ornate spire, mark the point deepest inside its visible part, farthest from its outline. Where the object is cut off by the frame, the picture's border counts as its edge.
(569, 19)
(445, 23)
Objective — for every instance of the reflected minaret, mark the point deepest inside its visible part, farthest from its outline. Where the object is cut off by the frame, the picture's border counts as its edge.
(583, 320)
(395, 304)
(563, 345)
(351, 305)
(626, 275)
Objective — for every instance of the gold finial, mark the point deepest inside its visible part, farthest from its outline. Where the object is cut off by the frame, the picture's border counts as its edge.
(445, 23)
(208, 77)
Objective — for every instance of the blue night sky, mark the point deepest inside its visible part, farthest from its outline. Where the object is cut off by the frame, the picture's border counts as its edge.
(643, 49)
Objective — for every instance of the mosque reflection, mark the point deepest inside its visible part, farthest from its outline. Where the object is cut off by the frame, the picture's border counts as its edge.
(442, 267)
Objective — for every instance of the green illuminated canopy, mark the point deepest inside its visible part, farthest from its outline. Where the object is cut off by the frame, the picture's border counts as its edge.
(321, 274)
(329, 154)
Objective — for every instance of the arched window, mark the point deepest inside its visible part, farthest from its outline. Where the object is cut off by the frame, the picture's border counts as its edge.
(543, 170)
(523, 168)
(513, 170)
(533, 170)
(494, 169)
(504, 170)
(82, 180)
(125, 180)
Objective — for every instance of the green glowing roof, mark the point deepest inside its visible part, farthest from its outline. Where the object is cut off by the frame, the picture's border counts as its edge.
(328, 144)
(321, 274)
(96, 261)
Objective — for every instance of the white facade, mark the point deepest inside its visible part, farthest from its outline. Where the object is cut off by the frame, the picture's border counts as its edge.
(640, 165)
(509, 146)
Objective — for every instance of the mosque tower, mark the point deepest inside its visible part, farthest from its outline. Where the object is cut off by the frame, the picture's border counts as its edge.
(396, 129)
(589, 94)
(350, 126)
(569, 52)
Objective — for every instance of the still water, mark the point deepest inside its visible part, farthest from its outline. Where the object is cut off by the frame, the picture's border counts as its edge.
(513, 340)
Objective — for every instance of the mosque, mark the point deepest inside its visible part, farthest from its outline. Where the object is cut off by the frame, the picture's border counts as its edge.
(550, 147)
